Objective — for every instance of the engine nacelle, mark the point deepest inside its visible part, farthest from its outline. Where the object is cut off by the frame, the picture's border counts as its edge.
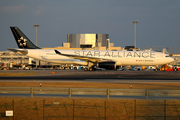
(107, 65)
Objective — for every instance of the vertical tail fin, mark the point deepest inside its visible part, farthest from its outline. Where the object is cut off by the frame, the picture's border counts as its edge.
(21, 39)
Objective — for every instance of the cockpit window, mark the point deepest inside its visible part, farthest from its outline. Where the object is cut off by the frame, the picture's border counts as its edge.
(167, 56)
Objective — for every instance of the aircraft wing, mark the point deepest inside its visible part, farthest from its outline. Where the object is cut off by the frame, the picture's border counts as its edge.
(22, 51)
(84, 58)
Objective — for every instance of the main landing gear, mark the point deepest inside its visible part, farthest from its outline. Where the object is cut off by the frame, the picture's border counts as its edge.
(90, 67)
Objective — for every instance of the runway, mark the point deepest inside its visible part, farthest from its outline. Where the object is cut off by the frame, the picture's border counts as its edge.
(94, 76)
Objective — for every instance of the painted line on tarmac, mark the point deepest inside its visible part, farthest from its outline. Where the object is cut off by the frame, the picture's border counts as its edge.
(41, 80)
(131, 81)
(99, 81)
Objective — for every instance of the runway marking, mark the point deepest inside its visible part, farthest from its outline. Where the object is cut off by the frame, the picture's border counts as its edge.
(98, 81)
(132, 81)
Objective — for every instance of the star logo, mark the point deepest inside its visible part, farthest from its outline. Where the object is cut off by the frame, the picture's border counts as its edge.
(22, 42)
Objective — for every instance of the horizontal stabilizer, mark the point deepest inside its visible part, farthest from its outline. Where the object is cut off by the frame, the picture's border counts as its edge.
(22, 51)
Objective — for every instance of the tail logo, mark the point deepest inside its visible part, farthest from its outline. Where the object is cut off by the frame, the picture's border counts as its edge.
(22, 42)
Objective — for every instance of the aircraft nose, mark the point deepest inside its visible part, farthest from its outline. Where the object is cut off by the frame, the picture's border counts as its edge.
(172, 59)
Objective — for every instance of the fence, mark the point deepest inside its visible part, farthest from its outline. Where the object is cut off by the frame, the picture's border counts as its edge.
(156, 110)
(4, 107)
(89, 91)
(52, 109)
(73, 110)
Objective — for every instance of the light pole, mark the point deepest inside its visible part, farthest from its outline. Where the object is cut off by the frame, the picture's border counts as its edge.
(134, 22)
(36, 31)
(36, 38)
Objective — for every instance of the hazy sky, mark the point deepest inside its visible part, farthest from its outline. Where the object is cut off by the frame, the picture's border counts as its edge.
(159, 21)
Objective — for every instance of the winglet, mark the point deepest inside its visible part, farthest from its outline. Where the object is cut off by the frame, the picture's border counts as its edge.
(57, 52)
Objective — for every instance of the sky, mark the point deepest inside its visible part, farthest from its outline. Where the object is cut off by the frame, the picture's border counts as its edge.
(158, 21)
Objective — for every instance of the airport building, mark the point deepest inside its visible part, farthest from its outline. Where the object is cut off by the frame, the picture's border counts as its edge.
(90, 41)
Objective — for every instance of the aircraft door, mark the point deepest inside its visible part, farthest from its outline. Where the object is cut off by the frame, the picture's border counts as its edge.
(158, 57)
(40, 53)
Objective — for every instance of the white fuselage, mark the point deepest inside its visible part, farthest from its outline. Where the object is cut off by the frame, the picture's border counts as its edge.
(136, 58)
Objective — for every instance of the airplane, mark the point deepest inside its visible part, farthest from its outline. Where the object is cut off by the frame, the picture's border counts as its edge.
(89, 58)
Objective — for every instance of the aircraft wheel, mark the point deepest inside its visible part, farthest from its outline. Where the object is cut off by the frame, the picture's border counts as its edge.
(85, 69)
(90, 69)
